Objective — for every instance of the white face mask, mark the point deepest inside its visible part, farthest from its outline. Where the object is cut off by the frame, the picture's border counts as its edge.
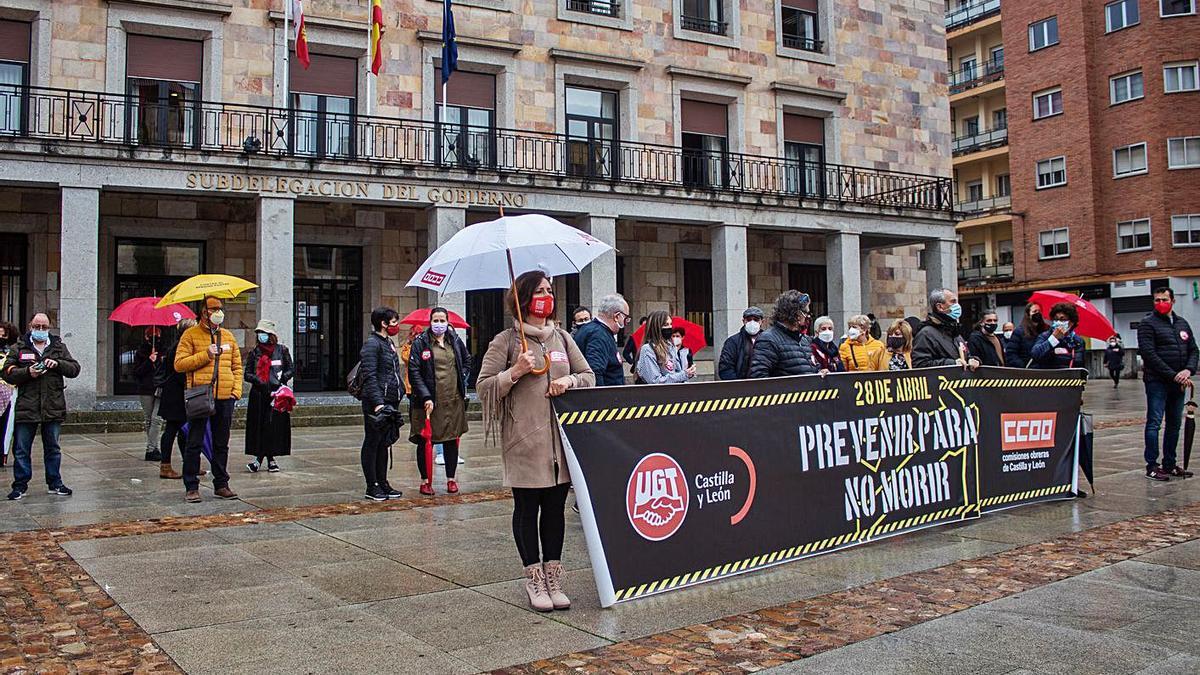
(825, 336)
(217, 318)
(853, 333)
(678, 341)
(752, 327)
(1008, 335)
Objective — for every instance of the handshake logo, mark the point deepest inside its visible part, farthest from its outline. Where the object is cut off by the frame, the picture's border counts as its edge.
(656, 497)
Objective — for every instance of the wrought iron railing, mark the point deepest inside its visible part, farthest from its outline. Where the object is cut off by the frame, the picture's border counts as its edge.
(804, 43)
(978, 141)
(67, 116)
(601, 7)
(969, 14)
(702, 24)
(976, 75)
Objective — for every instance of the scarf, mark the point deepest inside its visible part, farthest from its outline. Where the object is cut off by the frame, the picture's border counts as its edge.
(495, 409)
(262, 368)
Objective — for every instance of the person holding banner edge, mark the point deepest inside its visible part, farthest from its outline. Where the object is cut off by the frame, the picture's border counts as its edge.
(515, 403)
(938, 342)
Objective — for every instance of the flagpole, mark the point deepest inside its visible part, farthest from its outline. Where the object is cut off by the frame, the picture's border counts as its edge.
(287, 52)
(443, 70)
(370, 58)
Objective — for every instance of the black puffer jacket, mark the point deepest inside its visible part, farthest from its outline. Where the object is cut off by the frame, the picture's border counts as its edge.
(1018, 351)
(43, 398)
(420, 367)
(736, 355)
(1167, 345)
(379, 367)
(938, 343)
(172, 384)
(780, 352)
(144, 369)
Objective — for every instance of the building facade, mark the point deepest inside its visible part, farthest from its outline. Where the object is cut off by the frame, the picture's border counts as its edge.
(1077, 137)
(727, 153)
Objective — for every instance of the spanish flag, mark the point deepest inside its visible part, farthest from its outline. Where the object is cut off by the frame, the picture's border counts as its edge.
(376, 36)
(297, 7)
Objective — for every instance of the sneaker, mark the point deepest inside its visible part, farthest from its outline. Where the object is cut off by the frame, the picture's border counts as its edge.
(427, 489)
(61, 490)
(391, 492)
(15, 495)
(375, 494)
(575, 507)
(252, 467)
(1156, 473)
(153, 456)
(1178, 472)
(461, 460)
(440, 460)
(272, 466)
(452, 486)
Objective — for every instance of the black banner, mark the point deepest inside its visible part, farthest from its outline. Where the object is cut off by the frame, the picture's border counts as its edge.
(682, 484)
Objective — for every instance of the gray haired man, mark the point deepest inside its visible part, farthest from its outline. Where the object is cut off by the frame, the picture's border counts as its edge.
(598, 340)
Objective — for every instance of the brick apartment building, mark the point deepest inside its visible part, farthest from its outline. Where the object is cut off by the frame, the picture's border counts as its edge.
(1077, 151)
(728, 150)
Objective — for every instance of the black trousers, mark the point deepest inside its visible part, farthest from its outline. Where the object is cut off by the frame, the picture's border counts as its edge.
(374, 454)
(528, 528)
(449, 453)
(1115, 374)
(171, 431)
(220, 423)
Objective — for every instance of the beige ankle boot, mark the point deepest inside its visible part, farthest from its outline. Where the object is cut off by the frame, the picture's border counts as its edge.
(554, 573)
(535, 586)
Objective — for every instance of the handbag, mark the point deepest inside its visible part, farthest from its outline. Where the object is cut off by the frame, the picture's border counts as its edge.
(202, 401)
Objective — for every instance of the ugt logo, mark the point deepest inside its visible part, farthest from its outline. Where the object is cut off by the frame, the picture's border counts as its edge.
(433, 278)
(656, 498)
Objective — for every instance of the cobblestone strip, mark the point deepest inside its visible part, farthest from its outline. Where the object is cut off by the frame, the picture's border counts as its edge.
(769, 637)
(55, 619)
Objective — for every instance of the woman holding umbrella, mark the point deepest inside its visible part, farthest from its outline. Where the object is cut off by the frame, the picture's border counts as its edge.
(660, 361)
(438, 366)
(268, 368)
(514, 386)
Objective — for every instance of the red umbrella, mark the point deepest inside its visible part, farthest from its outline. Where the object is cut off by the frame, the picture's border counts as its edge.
(693, 334)
(1092, 322)
(421, 318)
(142, 312)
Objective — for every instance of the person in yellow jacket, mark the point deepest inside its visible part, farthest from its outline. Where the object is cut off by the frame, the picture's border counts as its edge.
(207, 350)
(861, 352)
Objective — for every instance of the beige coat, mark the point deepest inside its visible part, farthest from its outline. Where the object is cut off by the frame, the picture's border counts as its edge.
(532, 451)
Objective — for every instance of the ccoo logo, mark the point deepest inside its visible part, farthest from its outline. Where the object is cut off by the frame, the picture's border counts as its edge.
(656, 498)
(433, 278)
(1025, 431)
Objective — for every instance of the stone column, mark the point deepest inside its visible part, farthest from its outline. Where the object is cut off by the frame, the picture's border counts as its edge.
(79, 307)
(442, 223)
(843, 269)
(599, 278)
(940, 264)
(865, 290)
(276, 264)
(731, 280)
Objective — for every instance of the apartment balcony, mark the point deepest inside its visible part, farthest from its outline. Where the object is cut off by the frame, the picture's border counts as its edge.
(984, 140)
(600, 7)
(703, 24)
(978, 276)
(967, 14)
(62, 122)
(982, 207)
(976, 76)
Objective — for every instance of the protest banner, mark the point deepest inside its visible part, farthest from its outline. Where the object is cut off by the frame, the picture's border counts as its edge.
(679, 485)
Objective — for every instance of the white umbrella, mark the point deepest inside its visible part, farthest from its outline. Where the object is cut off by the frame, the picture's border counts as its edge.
(493, 254)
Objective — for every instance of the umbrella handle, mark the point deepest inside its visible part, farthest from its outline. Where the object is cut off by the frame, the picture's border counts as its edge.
(520, 320)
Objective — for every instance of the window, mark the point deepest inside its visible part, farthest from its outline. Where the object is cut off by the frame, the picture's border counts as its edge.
(323, 106)
(1000, 118)
(601, 7)
(977, 254)
(975, 191)
(800, 25)
(1051, 172)
(1176, 7)
(1133, 235)
(966, 69)
(1185, 230)
(1043, 33)
(1179, 77)
(1047, 103)
(1054, 244)
(971, 126)
(1183, 153)
(1120, 14)
(591, 132)
(1005, 252)
(163, 78)
(1126, 87)
(705, 127)
(804, 150)
(468, 135)
(1129, 160)
(705, 16)
(1003, 185)
(997, 58)
(14, 75)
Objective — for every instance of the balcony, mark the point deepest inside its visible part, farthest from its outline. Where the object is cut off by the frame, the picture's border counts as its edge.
(965, 15)
(976, 76)
(980, 207)
(803, 43)
(599, 7)
(59, 120)
(978, 276)
(992, 138)
(702, 24)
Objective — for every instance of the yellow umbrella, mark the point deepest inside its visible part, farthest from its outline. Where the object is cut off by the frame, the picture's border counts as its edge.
(203, 285)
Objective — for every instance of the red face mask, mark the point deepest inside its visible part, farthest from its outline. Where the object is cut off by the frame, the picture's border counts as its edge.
(1163, 306)
(542, 306)
(393, 330)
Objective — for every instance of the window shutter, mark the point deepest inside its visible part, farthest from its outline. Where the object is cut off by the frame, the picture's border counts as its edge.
(14, 41)
(328, 75)
(803, 129)
(701, 117)
(473, 90)
(157, 58)
(806, 5)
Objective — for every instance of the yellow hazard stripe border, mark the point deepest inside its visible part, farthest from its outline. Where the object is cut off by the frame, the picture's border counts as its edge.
(602, 415)
(1022, 496)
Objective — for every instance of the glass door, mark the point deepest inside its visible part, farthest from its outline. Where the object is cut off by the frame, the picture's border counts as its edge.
(328, 314)
(13, 261)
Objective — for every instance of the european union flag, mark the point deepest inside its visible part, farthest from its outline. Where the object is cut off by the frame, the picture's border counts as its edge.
(449, 46)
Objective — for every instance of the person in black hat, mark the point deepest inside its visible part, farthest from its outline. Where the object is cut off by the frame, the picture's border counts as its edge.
(739, 348)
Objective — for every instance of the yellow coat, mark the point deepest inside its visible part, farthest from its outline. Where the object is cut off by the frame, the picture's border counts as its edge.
(860, 357)
(193, 359)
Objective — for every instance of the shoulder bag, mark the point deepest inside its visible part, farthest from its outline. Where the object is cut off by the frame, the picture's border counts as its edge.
(201, 401)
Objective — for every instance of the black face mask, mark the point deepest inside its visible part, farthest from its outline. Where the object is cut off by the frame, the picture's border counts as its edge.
(667, 333)
(895, 342)
(989, 328)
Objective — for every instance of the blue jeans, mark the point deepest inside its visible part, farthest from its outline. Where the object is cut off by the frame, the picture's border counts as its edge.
(23, 451)
(1163, 398)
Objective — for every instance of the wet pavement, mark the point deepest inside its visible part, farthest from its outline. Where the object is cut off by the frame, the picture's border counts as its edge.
(301, 575)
